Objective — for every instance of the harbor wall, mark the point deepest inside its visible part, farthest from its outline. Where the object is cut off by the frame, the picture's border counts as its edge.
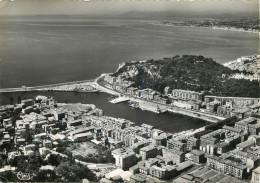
(152, 106)
(197, 114)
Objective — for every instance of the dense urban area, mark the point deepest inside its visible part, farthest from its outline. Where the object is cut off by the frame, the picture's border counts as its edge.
(234, 24)
(42, 140)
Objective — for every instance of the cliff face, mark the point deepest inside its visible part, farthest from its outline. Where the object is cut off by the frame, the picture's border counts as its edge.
(133, 69)
(248, 65)
(188, 72)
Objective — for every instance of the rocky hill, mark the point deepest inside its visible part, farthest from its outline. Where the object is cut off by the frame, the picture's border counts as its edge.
(249, 66)
(188, 72)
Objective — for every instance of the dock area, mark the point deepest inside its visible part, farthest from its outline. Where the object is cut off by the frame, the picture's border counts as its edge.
(153, 107)
(119, 100)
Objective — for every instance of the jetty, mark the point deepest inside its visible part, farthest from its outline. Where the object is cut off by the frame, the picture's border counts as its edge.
(42, 87)
(119, 100)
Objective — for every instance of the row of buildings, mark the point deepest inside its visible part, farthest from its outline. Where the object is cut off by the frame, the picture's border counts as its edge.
(223, 106)
(231, 150)
(125, 87)
(143, 151)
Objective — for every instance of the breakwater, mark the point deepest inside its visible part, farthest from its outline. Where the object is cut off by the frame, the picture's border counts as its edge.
(33, 88)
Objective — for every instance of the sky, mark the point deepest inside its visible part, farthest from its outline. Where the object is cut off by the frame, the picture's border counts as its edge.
(128, 7)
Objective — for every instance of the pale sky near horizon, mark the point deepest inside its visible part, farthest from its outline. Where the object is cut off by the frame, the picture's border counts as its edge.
(117, 7)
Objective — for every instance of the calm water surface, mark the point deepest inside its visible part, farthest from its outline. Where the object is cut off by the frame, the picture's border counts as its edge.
(167, 122)
(40, 50)
(46, 50)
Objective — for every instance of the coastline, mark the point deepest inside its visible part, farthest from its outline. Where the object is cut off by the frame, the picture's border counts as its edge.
(153, 105)
(248, 63)
(145, 104)
(213, 28)
(94, 85)
(45, 87)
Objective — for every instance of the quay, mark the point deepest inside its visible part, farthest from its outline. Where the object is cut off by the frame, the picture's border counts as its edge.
(149, 106)
(153, 106)
(119, 100)
(143, 104)
(196, 114)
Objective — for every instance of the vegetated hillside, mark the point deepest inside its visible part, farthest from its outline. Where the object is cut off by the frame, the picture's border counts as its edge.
(188, 72)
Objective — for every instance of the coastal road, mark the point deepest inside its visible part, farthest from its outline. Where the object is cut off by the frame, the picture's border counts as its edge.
(152, 105)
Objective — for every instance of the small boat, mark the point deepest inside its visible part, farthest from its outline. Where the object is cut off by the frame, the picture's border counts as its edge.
(111, 98)
(134, 104)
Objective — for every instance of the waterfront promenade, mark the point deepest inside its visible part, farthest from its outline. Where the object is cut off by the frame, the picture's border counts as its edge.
(153, 106)
(143, 104)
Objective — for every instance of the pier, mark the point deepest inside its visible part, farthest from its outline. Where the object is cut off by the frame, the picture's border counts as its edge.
(119, 100)
(42, 87)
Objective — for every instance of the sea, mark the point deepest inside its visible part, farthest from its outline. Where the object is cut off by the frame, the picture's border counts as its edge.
(40, 50)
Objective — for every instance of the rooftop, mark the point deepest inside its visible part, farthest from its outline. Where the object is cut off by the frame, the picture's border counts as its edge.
(197, 152)
(245, 144)
(232, 129)
(81, 130)
(83, 135)
(184, 165)
(257, 170)
(148, 148)
(246, 121)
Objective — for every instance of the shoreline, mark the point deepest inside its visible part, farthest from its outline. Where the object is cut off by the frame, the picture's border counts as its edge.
(93, 85)
(145, 105)
(213, 28)
(45, 87)
(195, 114)
(180, 134)
(63, 84)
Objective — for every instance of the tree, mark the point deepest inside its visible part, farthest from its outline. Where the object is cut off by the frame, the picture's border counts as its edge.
(54, 159)
(19, 162)
(8, 176)
(28, 137)
(204, 73)
(28, 164)
(63, 126)
(107, 142)
(46, 176)
(2, 161)
(34, 163)
(108, 156)
(74, 172)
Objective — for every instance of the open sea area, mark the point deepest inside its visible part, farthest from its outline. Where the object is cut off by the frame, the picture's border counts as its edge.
(137, 91)
(39, 50)
(44, 50)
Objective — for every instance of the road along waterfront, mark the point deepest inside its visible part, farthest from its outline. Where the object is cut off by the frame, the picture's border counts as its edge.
(153, 106)
(143, 104)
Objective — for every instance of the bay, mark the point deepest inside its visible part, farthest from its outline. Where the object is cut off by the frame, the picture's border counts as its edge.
(46, 50)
